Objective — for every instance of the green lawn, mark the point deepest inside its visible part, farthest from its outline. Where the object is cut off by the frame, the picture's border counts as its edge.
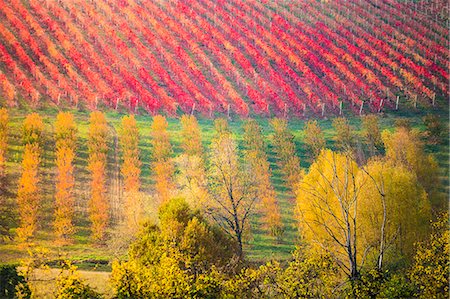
(260, 245)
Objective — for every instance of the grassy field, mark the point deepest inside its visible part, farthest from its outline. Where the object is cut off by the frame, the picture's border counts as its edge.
(260, 246)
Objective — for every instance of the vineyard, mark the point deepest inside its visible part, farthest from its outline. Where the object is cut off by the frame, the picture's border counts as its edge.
(242, 57)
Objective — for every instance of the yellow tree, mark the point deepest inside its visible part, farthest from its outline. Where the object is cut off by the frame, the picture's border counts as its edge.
(404, 147)
(233, 195)
(259, 169)
(327, 201)
(162, 163)
(394, 212)
(131, 169)
(191, 177)
(191, 141)
(28, 196)
(4, 118)
(314, 138)
(284, 147)
(65, 135)
(98, 148)
(32, 130)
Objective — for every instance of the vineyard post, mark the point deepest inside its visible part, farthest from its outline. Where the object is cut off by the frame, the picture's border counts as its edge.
(323, 109)
(433, 99)
(396, 103)
(361, 108)
(193, 109)
(136, 106)
(228, 112)
(210, 111)
(285, 110)
(340, 108)
(304, 109)
(117, 104)
(381, 105)
(59, 98)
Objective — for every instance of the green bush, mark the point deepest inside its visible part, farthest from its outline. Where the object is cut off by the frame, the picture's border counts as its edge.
(12, 284)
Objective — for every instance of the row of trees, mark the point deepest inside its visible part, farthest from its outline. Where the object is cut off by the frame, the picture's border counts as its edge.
(225, 188)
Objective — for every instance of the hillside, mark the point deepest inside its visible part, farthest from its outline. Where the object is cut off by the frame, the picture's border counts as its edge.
(233, 57)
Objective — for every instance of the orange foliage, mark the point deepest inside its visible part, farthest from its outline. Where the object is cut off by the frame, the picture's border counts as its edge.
(28, 197)
(98, 148)
(65, 131)
(162, 165)
(191, 141)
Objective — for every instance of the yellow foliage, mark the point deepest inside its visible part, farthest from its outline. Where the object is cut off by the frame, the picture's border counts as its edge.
(327, 206)
(391, 194)
(191, 141)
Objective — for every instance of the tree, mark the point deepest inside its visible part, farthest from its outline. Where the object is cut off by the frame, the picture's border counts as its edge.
(404, 147)
(258, 167)
(179, 258)
(192, 182)
(371, 133)
(284, 147)
(394, 213)
(28, 196)
(314, 138)
(434, 128)
(4, 118)
(345, 137)
(327, 201)
(33, 129)
(191, 174)
(65, 135)
(162, 163)
(131, 169)
(233, 195)
(191, 141)
(98, 148)
(64, 210)
(431, 266)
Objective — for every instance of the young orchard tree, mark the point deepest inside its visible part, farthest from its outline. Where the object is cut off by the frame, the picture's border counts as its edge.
(28, 196)
(162, 164)
(314, 138)
(191, 174)
(191, 140)
(33, 129)
(372, 134)
(4, 118)
(345, 137)
(233, 196)
(284, 147)
(65, 134)
(258, 167)
(98, 148)
(131, 169)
